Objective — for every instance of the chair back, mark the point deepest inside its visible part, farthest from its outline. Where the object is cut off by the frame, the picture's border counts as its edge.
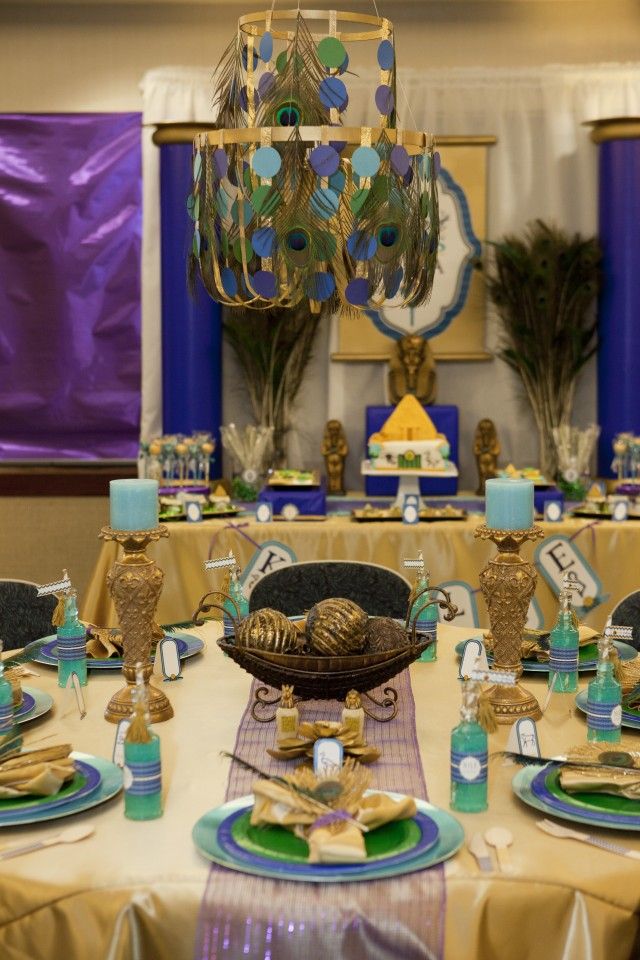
(626, 613)
(24, 616)
(296, 588)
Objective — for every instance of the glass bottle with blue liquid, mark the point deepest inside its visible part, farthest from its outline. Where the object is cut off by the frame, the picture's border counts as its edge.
(237, 610)
(71, 645)
(604, 696)
(424, 612)
(564, 645)
(142, 765)
(469, 755)
(9, 739)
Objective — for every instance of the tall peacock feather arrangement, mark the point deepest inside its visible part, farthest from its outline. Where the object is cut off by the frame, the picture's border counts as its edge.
(290, 204)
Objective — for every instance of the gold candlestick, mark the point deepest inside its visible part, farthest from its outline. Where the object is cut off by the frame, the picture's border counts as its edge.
(135, 582)
(508, 582)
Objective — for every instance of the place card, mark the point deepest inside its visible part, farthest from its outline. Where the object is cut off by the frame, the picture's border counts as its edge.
(193, 511)
(474, 657)
(553, 511)
(60, 586)
(523, 738)
(289, 511)
(411, 509)
(218, 563)
(169, 655)
(620, 511)
(264, 513)
(328, 754)
(118, 745)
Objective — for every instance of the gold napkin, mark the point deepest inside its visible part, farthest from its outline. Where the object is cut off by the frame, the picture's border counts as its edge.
(308, 733)
(624, 782)
(36, 773)
(105, 642)
(530, 647)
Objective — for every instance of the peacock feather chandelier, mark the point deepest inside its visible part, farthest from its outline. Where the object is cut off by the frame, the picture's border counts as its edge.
(288, 201)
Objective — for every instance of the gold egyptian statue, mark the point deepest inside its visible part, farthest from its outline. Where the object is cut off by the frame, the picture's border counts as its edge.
(486, 448)
(412, 369)
(334, 451)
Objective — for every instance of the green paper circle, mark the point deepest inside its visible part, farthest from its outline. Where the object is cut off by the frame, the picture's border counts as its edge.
(358, 200)
(382, 187)
(265, 200)
(331, 52)
(237, 249)
(281, 61)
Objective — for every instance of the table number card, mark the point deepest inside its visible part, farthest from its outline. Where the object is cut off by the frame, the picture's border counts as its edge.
(474, 657)
(264, 513)
(168, 654)
(328, 754)
(553, 511)
(411, 509)
(523, 738)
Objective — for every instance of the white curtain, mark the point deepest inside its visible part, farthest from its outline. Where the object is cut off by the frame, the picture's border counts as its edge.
(542, 166)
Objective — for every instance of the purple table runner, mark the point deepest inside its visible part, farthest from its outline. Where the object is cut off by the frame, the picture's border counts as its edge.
(262, 919)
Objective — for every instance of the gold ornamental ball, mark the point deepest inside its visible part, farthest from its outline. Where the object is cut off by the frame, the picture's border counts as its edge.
(268, 630)
(336, 627)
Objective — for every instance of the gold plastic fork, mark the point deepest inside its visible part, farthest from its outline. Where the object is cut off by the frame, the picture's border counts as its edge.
(564, 833)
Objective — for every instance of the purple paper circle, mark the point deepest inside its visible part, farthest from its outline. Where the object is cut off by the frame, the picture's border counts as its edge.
(263, 241)
(333, 93)
(365, 161)
(220, 162)
(338, 145)
(264, 283)
(437, 163)
(244, 98)
(321, 286)
(384, 99)
(400, 160)
(265, 84)
(245, 57)
(357, 292)
(229, 282)
(324, 160)
(386, 55)
(362, 246)
(408, 177)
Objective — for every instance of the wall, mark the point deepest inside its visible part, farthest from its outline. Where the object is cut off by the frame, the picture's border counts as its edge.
(91, 56)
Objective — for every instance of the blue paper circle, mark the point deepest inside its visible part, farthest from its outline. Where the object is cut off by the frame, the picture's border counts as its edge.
(264, 283)
(247, 211)
(425, 165)
(266, 162)
(220, 162)
(393, 284)
(229, 282)
(357, 291)
(437, 163)
(386, 55)
(361, 245)
(265, 84)
(266, 46)
(321, 286)
(338, 145)
(365, 161)
(244, 98)
(384, 99)
(337, 181)
(408, 177)
(324, 160)
(263, 241)
(197, 165)
(400, 160)
(324, 203)
(333, 93)
(344, 65)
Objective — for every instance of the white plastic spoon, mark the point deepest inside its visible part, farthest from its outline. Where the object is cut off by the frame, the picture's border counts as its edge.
(501, 839)
(71, 835)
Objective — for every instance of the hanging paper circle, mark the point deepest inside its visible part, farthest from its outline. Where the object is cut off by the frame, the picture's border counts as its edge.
(408, 177)
(361, 245)
(265, 200)
(324, 160)
(384, 99)
(365, 161)
(264, 283)
(357, 292)
(331, 52)
(357, 200)
(265, 83)
(386, 55)
(266, 46)
(245, 57)
(193, 206)
(344, 65)
(324, 203)
(281, 61)
(321, 286)
(333, 93)
(263, 241)
(229, 282)
(324, 245)
(288, 115)
(393, 284)
(437, 164)
(244, 98)
(338, 145)
(400, 160)
(337, 181)
(222, 203)
(197, 165)
(196, 243)
(266, 162)
(220, 162)
(241, 245)
(382, 187)
(247, 211)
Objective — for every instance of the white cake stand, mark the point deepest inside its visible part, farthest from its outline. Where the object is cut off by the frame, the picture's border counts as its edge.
(408, 480)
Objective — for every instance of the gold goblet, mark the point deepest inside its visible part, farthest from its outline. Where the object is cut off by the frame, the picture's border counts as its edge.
(135, 582)
(508, 583)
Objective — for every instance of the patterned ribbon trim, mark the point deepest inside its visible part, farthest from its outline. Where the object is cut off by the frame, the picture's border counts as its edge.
(475, 766)
(328, 818)
(604, 716)
(562, 660)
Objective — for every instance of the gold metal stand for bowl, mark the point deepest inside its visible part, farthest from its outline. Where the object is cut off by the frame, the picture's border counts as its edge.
(508, 583)
(135, 582)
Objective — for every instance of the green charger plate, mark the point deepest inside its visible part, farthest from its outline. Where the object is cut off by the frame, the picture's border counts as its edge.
(576, 811)
(450, 839)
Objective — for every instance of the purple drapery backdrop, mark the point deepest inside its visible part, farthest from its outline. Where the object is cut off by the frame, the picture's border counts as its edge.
(70, 236)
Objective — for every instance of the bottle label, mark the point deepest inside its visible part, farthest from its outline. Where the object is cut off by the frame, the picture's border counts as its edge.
(288, 724)
(6, 718)
(71, 648)
(603, 716)
(426, 628)
(142, 778)
(563, 661)
(469, 767)
(229, 628)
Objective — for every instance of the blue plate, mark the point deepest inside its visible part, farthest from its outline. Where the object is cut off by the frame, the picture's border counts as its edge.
(34, 704)
(625, 652)
(522, 785)
(109, 786)
(559, 804)
(206, 836)
(630, 720)
(188, 646)
(12, 812)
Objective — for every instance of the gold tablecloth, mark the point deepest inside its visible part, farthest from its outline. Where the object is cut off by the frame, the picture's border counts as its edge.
(449, 547)
(132, 891)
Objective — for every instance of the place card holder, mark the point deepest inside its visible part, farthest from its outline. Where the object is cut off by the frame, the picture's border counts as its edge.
(523, 738)
(168, 654)
(553, 511)
(264, 512)
(328, 755)
(474, 657)
(620, 511)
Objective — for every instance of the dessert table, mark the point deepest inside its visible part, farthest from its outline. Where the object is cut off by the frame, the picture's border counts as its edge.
(449, 548)
(133, 890)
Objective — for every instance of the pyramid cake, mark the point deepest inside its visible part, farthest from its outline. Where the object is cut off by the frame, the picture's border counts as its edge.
(408, 440)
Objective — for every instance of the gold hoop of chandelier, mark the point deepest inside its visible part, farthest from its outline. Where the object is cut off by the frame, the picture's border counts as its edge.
(288, 201)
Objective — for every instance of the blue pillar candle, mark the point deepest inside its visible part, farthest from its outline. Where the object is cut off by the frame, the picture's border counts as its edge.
(134, 504)
(509, 504)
